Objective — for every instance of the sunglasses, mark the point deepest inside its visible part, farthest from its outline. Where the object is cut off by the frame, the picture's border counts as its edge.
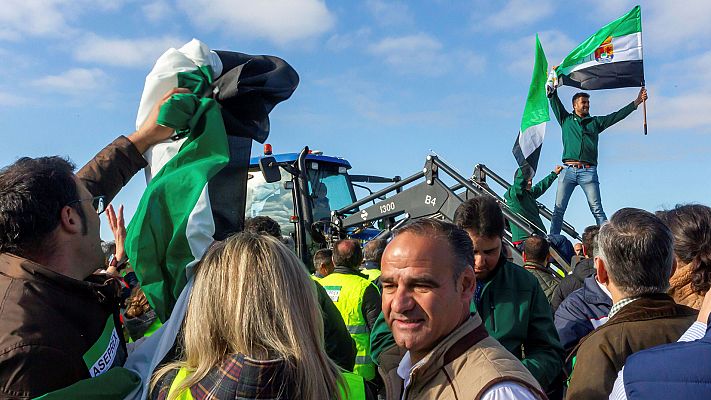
(99, 203)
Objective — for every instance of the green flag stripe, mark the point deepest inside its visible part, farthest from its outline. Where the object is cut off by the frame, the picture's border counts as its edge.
(536, 109)
(625, 25)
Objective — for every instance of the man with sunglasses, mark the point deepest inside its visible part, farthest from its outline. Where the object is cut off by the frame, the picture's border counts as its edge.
(59, 322)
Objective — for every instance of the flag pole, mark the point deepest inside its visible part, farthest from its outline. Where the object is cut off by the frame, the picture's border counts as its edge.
(644, 111)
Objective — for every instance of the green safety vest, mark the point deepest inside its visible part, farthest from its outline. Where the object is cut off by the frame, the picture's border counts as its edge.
(354, 389)
(373, 274)
(347, 291)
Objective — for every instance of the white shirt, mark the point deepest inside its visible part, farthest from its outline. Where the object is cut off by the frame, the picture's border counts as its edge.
(696, 331)
(500, 391)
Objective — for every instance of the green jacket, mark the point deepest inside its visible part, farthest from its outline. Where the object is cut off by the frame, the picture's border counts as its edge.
(580, 135)
(523, 202)
(517, 314)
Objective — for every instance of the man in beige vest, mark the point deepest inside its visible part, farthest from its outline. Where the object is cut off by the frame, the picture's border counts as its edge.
(443, 351)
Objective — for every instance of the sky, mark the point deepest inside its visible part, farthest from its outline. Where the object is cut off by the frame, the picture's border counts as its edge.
(382, 83)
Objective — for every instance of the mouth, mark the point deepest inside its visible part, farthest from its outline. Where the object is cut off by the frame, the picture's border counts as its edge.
(408, 324)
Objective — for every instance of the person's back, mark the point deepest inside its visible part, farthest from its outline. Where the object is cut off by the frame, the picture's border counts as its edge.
(266, 344)
(582, 312)
(634, 261)
(535, 256)
(357, 299)
(581, 270)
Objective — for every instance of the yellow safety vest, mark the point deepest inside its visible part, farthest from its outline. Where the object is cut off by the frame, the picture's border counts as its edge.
(373, 274)
(346, 291)
(354, 390)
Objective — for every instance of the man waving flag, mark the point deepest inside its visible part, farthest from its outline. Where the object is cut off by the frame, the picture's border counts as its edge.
(527, 148)
(609, 59)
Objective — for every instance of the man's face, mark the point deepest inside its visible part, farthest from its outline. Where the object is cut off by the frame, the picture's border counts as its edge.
(582, 106)
(487, 251)
(421, 302)
(90, 241)
(578, 249)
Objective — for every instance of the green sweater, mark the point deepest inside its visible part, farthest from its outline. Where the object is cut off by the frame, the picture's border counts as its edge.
(515, 312)
(523, 202)
(580, 135)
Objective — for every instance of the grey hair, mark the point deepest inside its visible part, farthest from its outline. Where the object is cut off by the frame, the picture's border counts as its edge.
(637, 249)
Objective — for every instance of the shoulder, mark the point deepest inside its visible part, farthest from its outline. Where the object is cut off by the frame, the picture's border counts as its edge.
(520, 276)
(509, 390)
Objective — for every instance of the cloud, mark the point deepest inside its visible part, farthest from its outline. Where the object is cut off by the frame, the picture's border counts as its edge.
(31, 17)
(279, 21)
(516, 14)
(344, 41)
(158, 10)
(390, 13)
(519, 52)
(74, 81)
(414, 53)
(11, 100)
(123, 52)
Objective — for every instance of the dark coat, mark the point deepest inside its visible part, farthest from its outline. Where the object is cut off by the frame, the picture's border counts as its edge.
(646, 322)
(48, 321)
(547, 279)
(572, 282)
(581, 312)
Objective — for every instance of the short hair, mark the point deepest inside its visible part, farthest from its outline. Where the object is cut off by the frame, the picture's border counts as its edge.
(579, 95)
(374, 249)
(263, 225)
(347, 253)
(536, 249)
(482, 215)
(637, 249)
(323, 256)
(589, 236)
(691, 226)
(459, 241)
(33, 192)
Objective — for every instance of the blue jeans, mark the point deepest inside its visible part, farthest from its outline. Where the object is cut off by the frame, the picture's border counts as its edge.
(586, 178)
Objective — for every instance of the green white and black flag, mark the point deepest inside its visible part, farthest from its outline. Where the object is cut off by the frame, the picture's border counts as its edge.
(527, 148)
(609, 59)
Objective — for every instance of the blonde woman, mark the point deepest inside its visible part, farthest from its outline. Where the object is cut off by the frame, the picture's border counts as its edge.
(252, 330)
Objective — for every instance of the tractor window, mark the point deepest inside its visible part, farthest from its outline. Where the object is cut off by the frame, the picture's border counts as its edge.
(271, 200)
(329, 191)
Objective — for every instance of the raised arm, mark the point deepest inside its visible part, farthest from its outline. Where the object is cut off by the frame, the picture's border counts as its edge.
(617, 116)
(558, 109)
(539, 188)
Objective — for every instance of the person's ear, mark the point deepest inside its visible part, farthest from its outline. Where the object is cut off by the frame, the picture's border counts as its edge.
(70, 220)
(467, 282)
(600, 271)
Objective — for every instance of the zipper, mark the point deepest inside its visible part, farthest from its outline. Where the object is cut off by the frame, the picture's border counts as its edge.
(491, 315)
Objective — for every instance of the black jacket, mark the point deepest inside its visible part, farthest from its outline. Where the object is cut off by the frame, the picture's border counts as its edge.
(572, 282)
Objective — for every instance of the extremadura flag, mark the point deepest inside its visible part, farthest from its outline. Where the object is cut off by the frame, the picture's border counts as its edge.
(609, 59)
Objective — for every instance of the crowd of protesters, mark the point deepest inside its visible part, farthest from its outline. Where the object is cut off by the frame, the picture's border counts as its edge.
(437, 311)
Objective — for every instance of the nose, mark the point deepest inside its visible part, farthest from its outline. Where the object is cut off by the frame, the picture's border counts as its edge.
(478, 260)
(401, 301)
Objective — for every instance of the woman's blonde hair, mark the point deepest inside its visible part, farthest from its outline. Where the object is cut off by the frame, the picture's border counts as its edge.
(253, 296)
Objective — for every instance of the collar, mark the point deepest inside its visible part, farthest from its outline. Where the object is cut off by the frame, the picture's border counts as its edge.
(447, 350)
(340, 269)
(535, 265)
(605, 290)
(620, 304)
(370, 265)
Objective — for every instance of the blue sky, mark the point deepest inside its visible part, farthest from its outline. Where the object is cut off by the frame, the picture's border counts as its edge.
(382, 83)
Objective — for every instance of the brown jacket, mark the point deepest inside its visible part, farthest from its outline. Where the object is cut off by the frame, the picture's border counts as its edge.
(646, 322)
(462, 366)
(48, 321)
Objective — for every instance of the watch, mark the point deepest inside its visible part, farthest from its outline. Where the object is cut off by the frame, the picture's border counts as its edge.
(116, 263)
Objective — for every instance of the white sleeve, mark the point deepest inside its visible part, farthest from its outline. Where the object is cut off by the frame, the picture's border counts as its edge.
(618, 390)
(508, 391)
(696, 331)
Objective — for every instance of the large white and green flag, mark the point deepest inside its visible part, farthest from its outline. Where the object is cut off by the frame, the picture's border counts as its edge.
(609, 59)
(527, 148)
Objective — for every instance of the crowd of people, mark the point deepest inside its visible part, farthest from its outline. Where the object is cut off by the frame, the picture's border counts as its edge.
(438, 310)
